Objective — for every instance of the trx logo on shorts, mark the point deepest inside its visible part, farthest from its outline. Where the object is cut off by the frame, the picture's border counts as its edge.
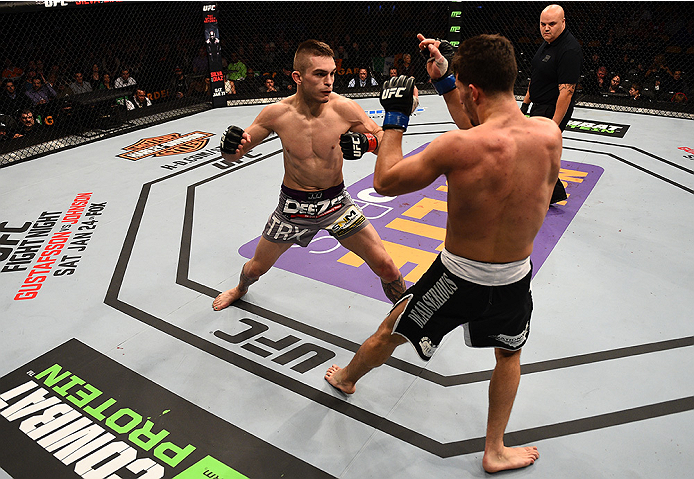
(350, 220)
(298, 209)
(279, 230)
(513, 341)
(427, 347)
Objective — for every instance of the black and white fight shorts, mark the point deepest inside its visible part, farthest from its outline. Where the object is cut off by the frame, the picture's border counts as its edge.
(301, 214)
(492, 302)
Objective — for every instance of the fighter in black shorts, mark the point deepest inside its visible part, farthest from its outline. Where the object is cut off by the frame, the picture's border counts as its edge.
(491, 301)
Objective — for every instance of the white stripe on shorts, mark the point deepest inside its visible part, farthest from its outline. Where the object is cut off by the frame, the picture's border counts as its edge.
(485, 274)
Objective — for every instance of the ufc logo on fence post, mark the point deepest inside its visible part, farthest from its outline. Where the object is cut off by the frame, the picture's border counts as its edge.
(392, 92)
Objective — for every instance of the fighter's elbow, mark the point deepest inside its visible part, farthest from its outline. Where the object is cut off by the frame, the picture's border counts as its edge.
(384, 188)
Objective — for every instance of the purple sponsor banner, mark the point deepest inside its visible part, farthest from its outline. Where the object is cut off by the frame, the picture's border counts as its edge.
(412, 228)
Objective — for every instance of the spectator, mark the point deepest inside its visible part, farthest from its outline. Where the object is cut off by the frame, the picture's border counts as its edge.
(406, 67)
(356, 56)
(11, 71)
(597, 84)
(40, 68)
(250, 84)
(393, 72)
(285, 81)
(678, 84)
(125, 80)
(40, 93)
(201, 65)
(593, 62)
(286, 55)
(236, 70)
(230, 87)
(659, 68)
(29, 80)
(179, 85)
(657, 90)
(138, 100)
(362, 80)
(95, 77)
(635, 92)
(341, 57)
(268, 86)
(105, 83)
(267, 59)
(27, 124)
(62, 90)
(679, 97)
(201, 87)
(7, 132)
(11, 102)
(382, 62)
(54, 76)
(616, 86)
(79, 85)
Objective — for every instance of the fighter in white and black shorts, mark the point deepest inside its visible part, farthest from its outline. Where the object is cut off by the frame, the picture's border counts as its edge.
(302, 214)
(492, 302)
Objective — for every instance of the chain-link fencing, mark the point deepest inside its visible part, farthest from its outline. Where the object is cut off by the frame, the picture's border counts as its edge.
(61, 59)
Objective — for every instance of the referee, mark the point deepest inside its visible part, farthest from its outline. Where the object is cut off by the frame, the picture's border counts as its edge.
(556, 69)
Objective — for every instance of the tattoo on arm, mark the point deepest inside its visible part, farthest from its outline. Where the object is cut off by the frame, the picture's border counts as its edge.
(570, 88)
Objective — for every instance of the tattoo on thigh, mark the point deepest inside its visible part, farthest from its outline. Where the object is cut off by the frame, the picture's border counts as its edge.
(395, 289)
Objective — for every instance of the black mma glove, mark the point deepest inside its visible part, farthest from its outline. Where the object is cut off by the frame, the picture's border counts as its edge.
(354, 144)
(446, 82)
(397, 98)
(231, 140)
(524, 108)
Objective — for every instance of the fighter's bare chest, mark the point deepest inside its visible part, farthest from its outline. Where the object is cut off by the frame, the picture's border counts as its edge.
(315, 137)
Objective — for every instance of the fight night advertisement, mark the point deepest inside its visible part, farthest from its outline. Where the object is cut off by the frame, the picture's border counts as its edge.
(214, 54)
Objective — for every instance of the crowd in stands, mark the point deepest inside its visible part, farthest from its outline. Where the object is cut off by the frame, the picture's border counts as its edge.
(624, 56)
(635, 79)
(250, 67)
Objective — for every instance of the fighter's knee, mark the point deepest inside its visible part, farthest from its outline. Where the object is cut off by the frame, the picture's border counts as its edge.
(387, 270)
(505, 354)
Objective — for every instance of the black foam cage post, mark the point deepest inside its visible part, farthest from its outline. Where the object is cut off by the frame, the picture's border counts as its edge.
(167, 48)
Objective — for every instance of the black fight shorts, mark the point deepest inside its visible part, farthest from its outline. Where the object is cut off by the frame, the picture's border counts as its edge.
(301, 214)
(492, 316)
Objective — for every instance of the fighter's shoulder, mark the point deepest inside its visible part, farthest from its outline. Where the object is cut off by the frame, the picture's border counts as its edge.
(276, 110)
(544, 128)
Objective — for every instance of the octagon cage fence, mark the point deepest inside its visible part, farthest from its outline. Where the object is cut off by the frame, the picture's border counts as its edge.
(72, 70)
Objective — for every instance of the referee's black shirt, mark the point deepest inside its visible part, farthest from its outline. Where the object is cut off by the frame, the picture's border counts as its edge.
(553, 65)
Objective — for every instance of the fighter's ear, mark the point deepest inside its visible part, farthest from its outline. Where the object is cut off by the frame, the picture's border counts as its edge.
(296, 76)
(474, 92)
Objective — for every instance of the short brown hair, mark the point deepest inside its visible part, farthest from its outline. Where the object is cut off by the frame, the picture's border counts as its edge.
(487, 61)
(310, 48)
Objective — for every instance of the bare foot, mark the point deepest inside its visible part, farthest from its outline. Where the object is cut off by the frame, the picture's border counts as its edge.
(226, 298)
(510, 458)
(333, 377)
